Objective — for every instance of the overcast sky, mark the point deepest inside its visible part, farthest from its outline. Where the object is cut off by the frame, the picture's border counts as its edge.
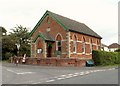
(100, 15)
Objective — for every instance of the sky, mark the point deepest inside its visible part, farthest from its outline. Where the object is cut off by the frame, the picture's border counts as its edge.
(100, 15)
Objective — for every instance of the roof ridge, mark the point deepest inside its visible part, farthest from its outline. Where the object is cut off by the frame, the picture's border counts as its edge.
(78, 25)
(65, 17)
(68, 24)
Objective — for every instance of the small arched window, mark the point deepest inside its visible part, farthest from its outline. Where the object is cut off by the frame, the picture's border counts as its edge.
(74, 44)
(58, 42)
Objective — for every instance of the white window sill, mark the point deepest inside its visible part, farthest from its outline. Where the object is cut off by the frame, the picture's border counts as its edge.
(83, 52)
(74, 52)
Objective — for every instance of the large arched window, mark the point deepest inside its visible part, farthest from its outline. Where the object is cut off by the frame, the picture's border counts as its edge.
(74, 44)
(58, 42)
(83, 45)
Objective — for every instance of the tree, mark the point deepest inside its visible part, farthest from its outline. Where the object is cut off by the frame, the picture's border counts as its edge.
(3, 30)
(19, 35)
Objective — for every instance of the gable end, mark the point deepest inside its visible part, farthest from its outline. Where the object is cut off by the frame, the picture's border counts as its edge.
(43, 17)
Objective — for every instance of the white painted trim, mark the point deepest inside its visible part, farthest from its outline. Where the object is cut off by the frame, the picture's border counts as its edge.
(75, 46)
(79, 53)
(87, 54)
(79, 41)
(63, 40)
(69, 52)
(57, 35)
(83, 37)
(57, 41)
(87, 43)
(74, 35)
(71, 40)
(57, 45)
(94, 44)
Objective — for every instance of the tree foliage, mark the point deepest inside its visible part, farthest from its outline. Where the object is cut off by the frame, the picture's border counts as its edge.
(19, 35)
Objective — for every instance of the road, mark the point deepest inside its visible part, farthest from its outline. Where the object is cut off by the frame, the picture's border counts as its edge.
(27, 74)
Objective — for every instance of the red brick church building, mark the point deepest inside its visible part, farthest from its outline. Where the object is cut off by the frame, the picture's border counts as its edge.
(58, 36)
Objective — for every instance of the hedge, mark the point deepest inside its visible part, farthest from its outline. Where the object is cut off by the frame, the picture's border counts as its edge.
(105, 58)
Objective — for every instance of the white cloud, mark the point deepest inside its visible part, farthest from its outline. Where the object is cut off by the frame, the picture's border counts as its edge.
(99, 15)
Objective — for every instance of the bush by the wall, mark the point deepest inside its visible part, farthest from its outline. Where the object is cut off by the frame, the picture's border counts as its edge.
(105, 58)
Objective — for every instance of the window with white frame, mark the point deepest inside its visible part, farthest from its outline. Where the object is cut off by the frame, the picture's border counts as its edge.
(39, 51)
(83, 47)
(58, 45)
(58, 42)
(91, 48)
(74, 47)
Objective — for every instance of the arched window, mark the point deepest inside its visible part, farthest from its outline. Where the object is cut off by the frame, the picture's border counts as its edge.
(83, 45)
(97, 45)
(39, 47)
(74, 44)
(91, 46)
(58, 42)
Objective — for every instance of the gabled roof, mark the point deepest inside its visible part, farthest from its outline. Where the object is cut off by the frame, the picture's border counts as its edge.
(103, 45)
(68, 24)
(114, 45)
(45, 36)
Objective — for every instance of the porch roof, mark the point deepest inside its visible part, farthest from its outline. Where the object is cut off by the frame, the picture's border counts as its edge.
(45, 37)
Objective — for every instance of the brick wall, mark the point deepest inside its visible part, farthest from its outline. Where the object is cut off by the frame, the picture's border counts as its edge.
(95, 42)
(53, 61)
(55, 29)
(67, 43)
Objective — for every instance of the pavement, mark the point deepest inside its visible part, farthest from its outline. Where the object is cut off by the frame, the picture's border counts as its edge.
(30, 74)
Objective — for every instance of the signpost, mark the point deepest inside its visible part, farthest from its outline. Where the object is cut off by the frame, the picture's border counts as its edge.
(18, 47)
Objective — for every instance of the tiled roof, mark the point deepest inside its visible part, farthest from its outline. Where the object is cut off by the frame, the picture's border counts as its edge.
(45, 36)
(103, 45)
(114, 45)
(73, 25)
(48, 37)
(68, 24)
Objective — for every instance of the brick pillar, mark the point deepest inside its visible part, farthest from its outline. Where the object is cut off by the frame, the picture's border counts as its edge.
(68, 43)
(44, 49)
(31, 48)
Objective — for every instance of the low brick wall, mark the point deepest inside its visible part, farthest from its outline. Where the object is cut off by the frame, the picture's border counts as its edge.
(53, 61)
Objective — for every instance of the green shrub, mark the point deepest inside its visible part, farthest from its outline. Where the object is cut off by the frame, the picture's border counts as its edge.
(105, 58)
